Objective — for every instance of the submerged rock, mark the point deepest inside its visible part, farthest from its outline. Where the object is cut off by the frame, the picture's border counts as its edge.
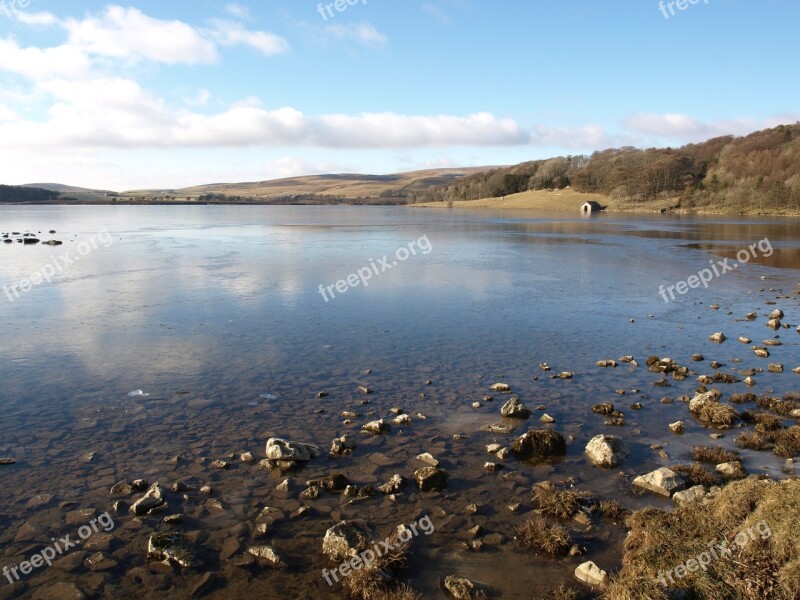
(151, 501)
(540, 443)
(461, 588)
(172, 548)
(268, 555)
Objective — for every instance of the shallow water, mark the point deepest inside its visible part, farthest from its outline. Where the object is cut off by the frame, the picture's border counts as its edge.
(207, 308)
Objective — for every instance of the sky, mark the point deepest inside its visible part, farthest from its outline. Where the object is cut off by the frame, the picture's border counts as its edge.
(163, 95)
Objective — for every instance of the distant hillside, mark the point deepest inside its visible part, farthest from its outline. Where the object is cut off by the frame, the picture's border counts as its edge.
(758, 173)
(69, 193)
(390, 189)
(16, 193)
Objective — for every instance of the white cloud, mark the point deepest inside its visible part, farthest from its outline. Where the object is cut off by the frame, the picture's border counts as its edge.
(35, 18)
(128, 33)
(116, 112)
(363, 33)
(682, 127)
(231, 33)
(294, 166)
(238, 11)
(43, 63)
(588, 136)
(437, 12)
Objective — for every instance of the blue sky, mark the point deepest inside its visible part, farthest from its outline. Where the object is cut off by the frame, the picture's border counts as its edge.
(164, 95)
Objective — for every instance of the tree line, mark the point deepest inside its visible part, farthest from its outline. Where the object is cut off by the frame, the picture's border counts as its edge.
(759, 170)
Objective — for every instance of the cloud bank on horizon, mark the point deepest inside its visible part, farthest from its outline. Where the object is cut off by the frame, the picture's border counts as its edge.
(119, 97)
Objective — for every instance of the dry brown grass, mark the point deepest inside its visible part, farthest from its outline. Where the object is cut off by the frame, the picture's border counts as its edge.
(562, 593)
(560, 502)
(742, 398)
(750, 440)
(539, 535)
(715, 455)
(568, 200)
(767, 566)
(717, 414)
(613, 510)
(376, 581)
(697, 474)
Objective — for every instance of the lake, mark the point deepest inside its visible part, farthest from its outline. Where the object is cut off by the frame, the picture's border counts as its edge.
(226, 322)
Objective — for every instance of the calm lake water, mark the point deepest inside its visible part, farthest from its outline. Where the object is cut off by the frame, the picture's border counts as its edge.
(209, 309)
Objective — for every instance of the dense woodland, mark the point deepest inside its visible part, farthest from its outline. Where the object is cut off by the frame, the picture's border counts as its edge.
(760, 171)
(12, 193)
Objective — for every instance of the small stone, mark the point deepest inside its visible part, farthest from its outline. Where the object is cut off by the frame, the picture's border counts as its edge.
(268, 555)
(678, 427)
(501, 387)
(431, 478)
(545, 418)
(717, 337)
(515, 409)
(376, 427)
(592, 575)
(428, 459)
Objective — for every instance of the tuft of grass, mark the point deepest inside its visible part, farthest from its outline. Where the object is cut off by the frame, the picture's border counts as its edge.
(789, 403)
(715, 455)
(539, 535)
(717, 414)
(560, 502)
(376, 581)
(750, 440)
(562, 593)
(613, 510)
(742, 398)
(787, 442)
(697, 474)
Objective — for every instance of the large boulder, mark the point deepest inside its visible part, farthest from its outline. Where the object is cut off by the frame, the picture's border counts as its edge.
(607, 451)
(539, 443)
(347, 539)
(663, 481)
